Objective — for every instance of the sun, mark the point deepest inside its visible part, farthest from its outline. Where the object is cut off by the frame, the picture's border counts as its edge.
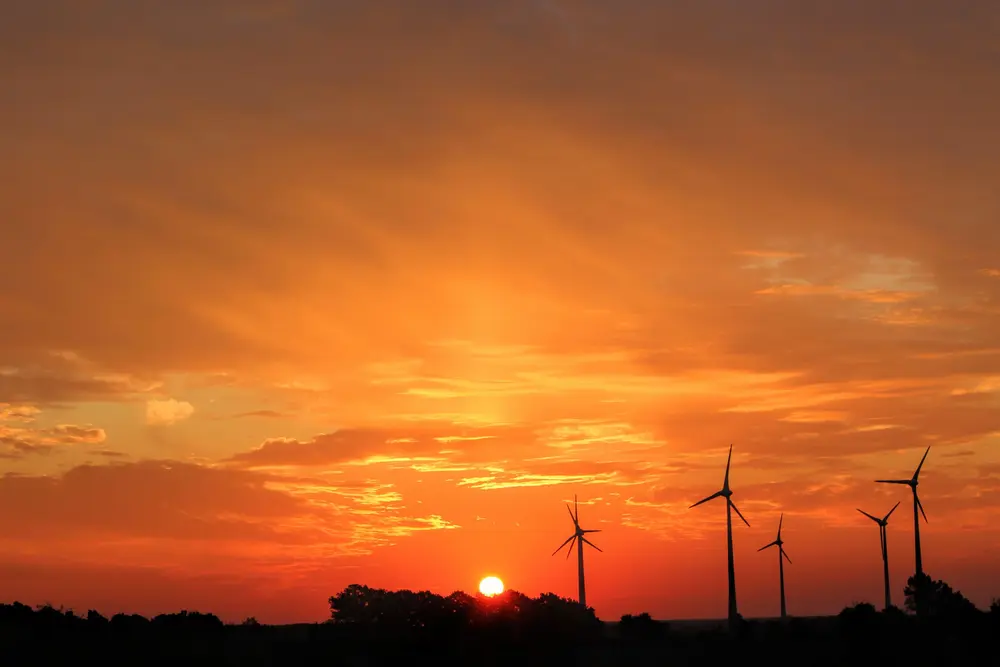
(491, 586)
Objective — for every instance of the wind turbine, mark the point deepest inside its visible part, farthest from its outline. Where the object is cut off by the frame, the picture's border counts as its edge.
(577, 538)
(727, 493)
(782, 556)
(882, 523)
(918, 508)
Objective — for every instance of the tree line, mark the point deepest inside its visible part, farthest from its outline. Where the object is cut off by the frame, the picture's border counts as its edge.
(377, 626)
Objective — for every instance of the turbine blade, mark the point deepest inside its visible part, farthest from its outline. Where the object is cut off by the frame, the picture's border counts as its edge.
(875, 519)
(570, 510)
(882, 539)
(786, 555)
(780, 521)
(733, 505)
(768, 546)
(894, 481)
(705, 500)
(568, 539)
(917, 473)
(576, 510)
(570, 550)
(890, 512)
(725, 483)
(920, 506)
(592, 544)
(592, 531)
(871, 517)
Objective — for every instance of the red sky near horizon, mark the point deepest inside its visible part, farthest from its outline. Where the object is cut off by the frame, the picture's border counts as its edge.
(300, 294)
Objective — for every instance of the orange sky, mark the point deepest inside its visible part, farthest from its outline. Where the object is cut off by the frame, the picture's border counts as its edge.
(301, 294)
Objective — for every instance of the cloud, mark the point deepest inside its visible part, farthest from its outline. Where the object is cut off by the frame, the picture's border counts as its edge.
(427, 442)
(20, 435)
(140, 505)
(871, 296)
(520, 480)
(111, 454)
(268, 414)
(22, 413)
(52, 377)
(483, 458)
(167, 412)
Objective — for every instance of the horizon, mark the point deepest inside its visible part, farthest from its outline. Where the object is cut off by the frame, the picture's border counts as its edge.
(301, 293)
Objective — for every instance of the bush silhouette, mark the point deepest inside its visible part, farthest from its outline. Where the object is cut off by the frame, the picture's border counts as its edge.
(642, 626)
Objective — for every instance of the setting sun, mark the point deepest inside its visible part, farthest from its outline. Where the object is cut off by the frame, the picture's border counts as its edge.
(491, 586)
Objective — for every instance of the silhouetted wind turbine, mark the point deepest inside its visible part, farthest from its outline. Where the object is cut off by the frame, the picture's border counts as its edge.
(918, 508)
(882, 523)
(577, 538)
(781, 562)
(727, 493)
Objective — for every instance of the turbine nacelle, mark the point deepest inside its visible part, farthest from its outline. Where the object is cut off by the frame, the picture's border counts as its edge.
(912, 483)
(577, 538)
(725, 491)
(778, 542)
(884, 521)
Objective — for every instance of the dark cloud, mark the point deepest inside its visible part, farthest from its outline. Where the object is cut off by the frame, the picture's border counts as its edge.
(53, 387)
(147, 499)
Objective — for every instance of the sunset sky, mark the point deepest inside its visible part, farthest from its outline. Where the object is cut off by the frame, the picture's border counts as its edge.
(305, 293)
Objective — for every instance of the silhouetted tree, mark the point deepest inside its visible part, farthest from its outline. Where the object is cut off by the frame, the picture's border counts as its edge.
(859, 621)
(129, 623)
(936, 599)
(185, 622)
(641, 626)
(510, 616)
(356, 605)
(96, 619)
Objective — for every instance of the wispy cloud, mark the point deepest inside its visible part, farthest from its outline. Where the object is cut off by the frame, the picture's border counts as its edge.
(21, 435)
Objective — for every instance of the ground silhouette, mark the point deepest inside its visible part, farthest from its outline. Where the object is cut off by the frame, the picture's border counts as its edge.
(370, 626)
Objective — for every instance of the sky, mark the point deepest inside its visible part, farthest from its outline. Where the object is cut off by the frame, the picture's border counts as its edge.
(299, 294)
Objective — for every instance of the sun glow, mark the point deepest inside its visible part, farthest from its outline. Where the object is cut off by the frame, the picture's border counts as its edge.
(491, 586)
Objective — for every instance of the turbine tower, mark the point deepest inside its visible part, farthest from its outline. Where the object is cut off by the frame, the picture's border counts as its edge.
(727, 493)
(882, 523)
(577, 538)
(918, 508)
(782, 556)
